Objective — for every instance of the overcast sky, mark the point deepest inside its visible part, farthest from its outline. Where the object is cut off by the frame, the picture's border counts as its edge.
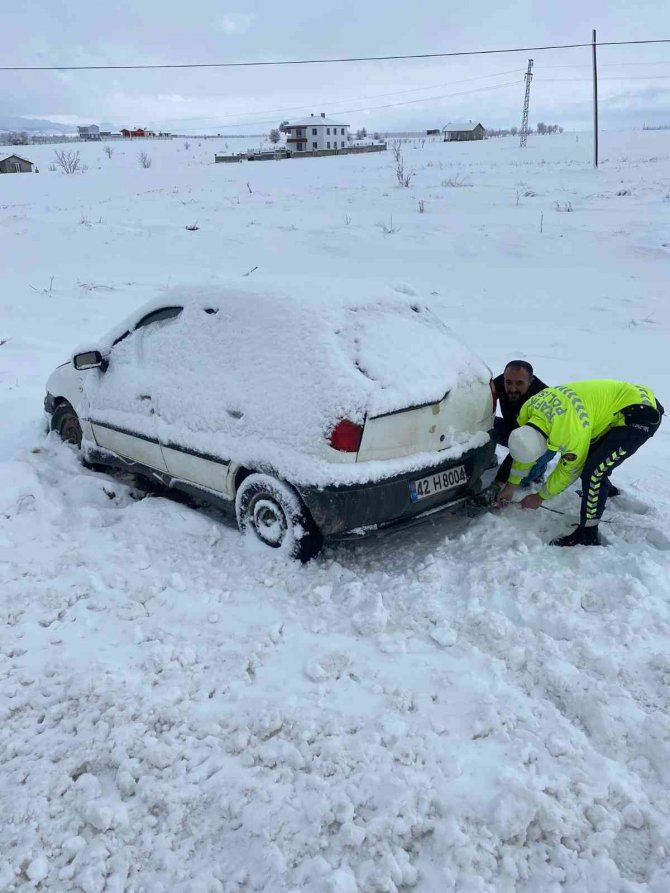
(410, 94)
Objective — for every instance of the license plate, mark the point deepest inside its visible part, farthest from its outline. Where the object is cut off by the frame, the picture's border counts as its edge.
(438, 483)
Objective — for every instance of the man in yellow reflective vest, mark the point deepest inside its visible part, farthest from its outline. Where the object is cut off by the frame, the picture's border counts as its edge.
(595, 426)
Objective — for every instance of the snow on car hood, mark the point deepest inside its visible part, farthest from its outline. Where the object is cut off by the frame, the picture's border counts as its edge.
(262, 377)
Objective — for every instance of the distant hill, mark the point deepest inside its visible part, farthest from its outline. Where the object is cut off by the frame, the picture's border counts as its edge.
(13, 123)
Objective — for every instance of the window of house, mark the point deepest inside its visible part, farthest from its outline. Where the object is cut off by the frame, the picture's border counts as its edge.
(328, 145)
(342, 132)
(328, 131)
(343, 144)
(313, 131)
(313, 145)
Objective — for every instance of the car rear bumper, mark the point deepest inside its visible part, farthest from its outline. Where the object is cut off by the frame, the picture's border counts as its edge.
(344, 512)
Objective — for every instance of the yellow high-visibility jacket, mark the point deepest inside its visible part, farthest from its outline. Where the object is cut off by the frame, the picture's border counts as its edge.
(572, 416)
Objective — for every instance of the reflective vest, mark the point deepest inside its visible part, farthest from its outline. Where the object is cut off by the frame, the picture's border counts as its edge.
(571, 417)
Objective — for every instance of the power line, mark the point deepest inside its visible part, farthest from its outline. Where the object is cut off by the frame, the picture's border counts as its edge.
(650, 77)
(328, 103)
(537, 49)
(372, 108)
(325, 103)
(606, 65)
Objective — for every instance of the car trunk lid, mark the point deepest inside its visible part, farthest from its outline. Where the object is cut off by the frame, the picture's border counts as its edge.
(462, 412)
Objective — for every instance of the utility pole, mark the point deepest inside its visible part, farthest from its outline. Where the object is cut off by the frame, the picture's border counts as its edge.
(595, 103)
(526, 103)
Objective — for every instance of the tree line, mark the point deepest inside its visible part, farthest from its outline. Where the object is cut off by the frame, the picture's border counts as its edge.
(541, 128)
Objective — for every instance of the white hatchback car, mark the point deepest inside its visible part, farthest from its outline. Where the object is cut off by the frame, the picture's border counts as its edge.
(314, 419)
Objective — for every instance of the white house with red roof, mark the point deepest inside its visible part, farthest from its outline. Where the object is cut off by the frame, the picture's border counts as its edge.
(316, 132)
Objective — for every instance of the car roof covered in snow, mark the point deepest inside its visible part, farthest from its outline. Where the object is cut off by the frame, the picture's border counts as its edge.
(276, 370)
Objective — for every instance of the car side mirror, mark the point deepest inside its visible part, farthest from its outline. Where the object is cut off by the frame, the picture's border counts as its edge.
(90, 359)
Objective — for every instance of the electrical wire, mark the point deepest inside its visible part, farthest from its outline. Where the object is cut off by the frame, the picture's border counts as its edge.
(327, 103)
(651, 77)
(605, 65)
(531, 49)
(371, 108)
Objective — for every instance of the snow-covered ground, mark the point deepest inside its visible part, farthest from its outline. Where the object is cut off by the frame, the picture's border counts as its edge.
(461, 707)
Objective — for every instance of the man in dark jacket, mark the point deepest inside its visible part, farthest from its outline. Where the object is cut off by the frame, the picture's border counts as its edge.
(514, 387)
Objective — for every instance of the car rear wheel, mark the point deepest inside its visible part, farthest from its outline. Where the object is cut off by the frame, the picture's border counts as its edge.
(65, 423)
(274, 513)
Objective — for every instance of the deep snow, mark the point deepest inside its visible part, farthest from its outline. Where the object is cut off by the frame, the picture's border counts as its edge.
(460, 707)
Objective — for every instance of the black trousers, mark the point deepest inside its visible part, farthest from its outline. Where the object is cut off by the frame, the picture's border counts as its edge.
(608, 452)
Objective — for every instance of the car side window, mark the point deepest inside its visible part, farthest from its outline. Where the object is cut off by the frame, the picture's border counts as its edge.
(159, 316)
(155, 316)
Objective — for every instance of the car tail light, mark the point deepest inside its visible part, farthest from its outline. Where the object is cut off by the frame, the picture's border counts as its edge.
(494, 395)
(346, 436)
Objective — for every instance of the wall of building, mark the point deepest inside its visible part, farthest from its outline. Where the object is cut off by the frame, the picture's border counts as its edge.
(315, 137)
(8, 167)
(293, 153)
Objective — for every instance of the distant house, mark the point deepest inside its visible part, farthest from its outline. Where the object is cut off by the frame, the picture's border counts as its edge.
(14, 164)
(138, 132)
(91, 132)
(458, 132)
(316, 132)
(435, 132)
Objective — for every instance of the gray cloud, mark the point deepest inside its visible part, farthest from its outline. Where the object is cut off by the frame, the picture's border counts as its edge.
(374, 94)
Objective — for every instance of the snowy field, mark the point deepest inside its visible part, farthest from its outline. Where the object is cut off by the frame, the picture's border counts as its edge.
(458, 708)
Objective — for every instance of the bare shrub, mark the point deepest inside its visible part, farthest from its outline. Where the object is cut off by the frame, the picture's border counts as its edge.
(347, 220)
(387, 228)
(274, 135)
(143, 159)
(422, 206)
(108, 151)
(52, 167)
(187, 145)
(45, 291)
(456, 182)
(403, 177)
(566, 206)
(68, 162)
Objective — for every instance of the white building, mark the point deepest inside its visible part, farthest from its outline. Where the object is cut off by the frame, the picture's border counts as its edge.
(316, 132)
(91, 132)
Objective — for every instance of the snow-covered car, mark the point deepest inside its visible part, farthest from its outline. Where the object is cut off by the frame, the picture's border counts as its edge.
(314, 419)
